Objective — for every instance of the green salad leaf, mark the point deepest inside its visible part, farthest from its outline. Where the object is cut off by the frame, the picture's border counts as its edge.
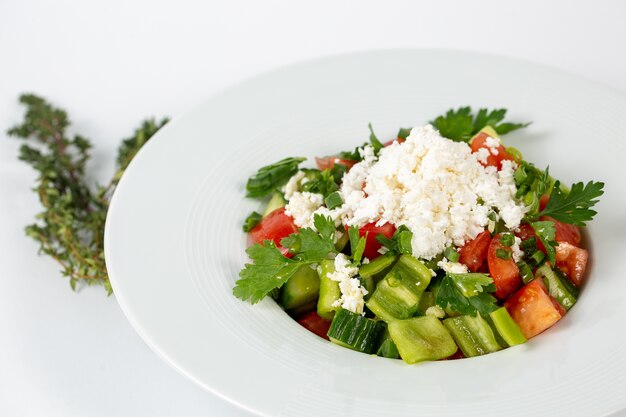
(399, 243)
(252, 220)
(574, 207)
(461, 124)
(270, 177)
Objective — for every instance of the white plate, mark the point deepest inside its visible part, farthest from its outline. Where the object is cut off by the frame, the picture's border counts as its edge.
(174, 244)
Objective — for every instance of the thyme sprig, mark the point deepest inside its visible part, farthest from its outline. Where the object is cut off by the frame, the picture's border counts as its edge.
(70, 229)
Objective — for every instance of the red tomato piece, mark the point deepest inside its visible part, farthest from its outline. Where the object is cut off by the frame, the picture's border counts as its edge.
(504, 272)
(526, 231)
(456, 355)
(274, 227)
(543, 201)
(329, 161)
(533, 309)
(564, 232)
(474, 252)
(572, 261)
(480, 141)
(371, 231)
(314, 323)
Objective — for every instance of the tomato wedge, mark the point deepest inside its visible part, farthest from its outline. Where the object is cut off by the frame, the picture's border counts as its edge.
(328, 162)
(480, 141)
(371, 231)
(533, 309)
(564, 232)
(504, 272)
(572, 261)
(474, 252)
(314, 323)
(274, 227)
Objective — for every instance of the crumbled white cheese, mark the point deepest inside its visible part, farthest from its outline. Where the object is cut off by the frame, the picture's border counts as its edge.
(301, 207)
(492, 142)
(293, 184)
(352, 292)
(435, 311)
(482, 154)
(452, 267)
(434, 186)
(517, 252)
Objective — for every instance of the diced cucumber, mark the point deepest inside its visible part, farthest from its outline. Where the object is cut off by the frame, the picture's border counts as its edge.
(421, 339)
(490, 131)
(506, 327)
(329, 290)
(301, 289)
(277, 201)
(355, 331)
(472, 334)
(388, 348)
(555, 287)
(397, 296)
(376, 266)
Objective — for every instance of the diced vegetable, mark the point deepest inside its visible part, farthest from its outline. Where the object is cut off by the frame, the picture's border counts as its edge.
(397, 296)
(472, 334)
(388, 348)
(274, 227)
(504, 272)
(427, 300)
(572, 261)
(421, 339)
(370, 230)
(533, 309)
(506, 327)
(355, 331)
(301, 290)
(314, 323)
(557, 290)
(474, 253)
(277, 201)
(480, 141)
(329, 290)
(565, 232)
(377, 266)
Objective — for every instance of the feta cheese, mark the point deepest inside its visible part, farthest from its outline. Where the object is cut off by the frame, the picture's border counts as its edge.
(434, 186)
(452, 267)
(301, 207)
(517, 252)
(352, 292)
(293, 184)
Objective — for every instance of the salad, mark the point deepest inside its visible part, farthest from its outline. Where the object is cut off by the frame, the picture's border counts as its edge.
(441, 243)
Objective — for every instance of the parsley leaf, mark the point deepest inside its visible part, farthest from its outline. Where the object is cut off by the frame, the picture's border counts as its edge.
(376, 144)
(575, 207)
(321, 182)
(252, 220)
(546, 232)
(269, 270)
(270, 177)
(310, 246)
(460, 125)
(466, 293)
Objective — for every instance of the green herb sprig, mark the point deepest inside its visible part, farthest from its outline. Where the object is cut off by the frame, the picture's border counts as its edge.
(70, 229)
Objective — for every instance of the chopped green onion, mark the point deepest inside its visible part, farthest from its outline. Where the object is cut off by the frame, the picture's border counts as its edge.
(252, 220)
(538, 256)
(503, 254)
(520, 176)
(521, 191)
(514, 152)
(333, 200)
(525, 272)
(507, 239)
(492, 216)
(451, 254)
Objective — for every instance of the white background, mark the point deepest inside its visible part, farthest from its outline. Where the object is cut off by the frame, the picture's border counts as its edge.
(111, 63)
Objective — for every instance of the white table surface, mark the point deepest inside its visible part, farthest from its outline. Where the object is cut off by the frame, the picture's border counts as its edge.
(111, 63)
